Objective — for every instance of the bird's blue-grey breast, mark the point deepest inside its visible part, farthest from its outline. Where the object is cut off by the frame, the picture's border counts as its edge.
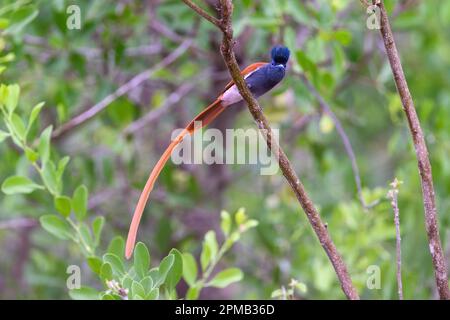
(270, 74)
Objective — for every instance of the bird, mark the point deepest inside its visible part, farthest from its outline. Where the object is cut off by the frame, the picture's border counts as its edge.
(260, 77)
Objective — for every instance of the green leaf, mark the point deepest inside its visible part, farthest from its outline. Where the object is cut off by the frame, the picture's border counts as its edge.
(209, 250)
(343, 36)
(57, 227)
(141, 260)
(225, 278)
(84, 293)
(234, 237)
(240, 217)
(6, 58)
(176, 272)
(326, 124)
(189, 269)
(85, 234)
(106, 273)
(3, 93)
(4, 23)
(34, 114)
(44, 144)
(62, 204)
(205, 257)
(95, 263)
(79, 202)
(154, 274)
(137, 290)
(19, 184)
(15, 139)
(97, 227)
(11, 95)
(225, 222)
(147, 283)
(50, 178)
(301, 287)
(278, 293)
(21, 18)
(164, 268)
(117, 246)
(108, 296)
(31, 155)
(210, 239)
(305, 62)
(248, 225)
(3, 135)
(193, 293)
(18, 126)
(115, 262)
(127, 281)
(61, 167)
(153, 294)
(264, 22)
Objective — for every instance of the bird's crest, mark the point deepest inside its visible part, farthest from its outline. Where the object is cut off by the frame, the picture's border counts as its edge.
(280, 54)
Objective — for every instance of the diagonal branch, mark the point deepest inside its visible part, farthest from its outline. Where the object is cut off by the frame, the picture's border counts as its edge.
(431, 224)
(122, 90)
(153, 115)
(168, 104)
(308, 206)
(204, 14)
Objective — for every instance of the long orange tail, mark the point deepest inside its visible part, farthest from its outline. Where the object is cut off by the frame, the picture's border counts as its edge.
(205, 117)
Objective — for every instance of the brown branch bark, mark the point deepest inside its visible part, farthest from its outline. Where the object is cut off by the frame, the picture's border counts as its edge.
(313, 216)
(431, 223)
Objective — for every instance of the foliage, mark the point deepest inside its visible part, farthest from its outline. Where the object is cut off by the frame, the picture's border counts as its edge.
(81, 186)
(121, 280)
(136, 281)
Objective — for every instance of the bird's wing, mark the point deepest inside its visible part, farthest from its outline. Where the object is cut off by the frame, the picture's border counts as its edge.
(246, 72)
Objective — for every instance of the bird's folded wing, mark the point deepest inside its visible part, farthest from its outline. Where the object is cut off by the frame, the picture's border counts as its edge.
(246, 72)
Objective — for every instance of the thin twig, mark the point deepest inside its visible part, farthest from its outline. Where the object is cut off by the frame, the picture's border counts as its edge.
(156, 25)
(122, 90)
(345, 140)
(92, 53)
(153, 115)
(439, 263)
(285, 165)
(204, 14)
(393, 195)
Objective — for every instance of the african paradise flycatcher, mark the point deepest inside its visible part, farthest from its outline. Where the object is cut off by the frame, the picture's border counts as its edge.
(260, 78)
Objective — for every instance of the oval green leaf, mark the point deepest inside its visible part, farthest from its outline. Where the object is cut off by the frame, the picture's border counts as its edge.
(19, 184)
(225, 278)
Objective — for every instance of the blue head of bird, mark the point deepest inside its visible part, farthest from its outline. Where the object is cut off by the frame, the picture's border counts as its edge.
(280, 55)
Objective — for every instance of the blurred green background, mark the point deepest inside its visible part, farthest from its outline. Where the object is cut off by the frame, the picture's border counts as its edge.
(72, 70)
